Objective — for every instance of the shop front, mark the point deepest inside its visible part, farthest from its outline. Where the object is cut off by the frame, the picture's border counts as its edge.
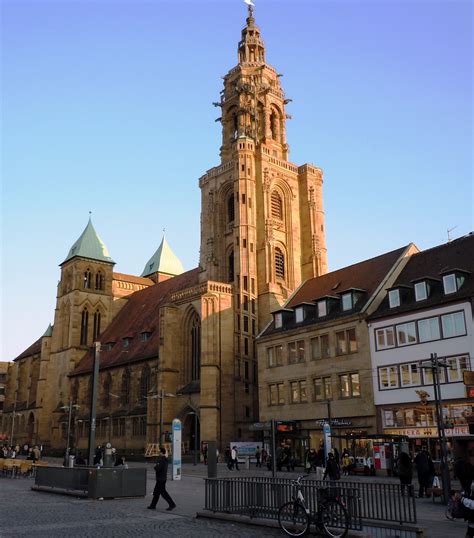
(418, 423)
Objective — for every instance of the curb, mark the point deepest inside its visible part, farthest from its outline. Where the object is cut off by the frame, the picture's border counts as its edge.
(259, 522)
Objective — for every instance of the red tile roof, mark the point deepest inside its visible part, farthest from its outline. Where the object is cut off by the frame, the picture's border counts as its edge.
(366, 275)
(140, 314)
(432, 264)
(132, 278)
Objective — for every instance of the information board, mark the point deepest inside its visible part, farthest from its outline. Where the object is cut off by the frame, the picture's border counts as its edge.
(176, 444)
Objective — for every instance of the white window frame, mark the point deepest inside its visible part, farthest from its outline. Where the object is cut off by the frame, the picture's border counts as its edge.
(452, 316)
(398, 331)
(429, 321)
(384, 331)
(394, 298)
(299, 314)
(271, 357)
(450, 284)
(322, 308)
(459, 369)
(421, 291)
(347, 305)
(388, 370)
(411, 383)
(278, 320)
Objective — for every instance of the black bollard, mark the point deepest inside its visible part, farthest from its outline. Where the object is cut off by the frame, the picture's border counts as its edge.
(212, 459)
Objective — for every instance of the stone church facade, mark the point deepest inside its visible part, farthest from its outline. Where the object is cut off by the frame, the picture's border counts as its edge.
(173, 343)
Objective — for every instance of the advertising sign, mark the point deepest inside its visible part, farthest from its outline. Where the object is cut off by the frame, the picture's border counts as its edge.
(327, 440)
(245, 449)
(176, 443)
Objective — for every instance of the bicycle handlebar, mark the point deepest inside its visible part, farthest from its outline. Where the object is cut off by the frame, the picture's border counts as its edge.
(297, 482)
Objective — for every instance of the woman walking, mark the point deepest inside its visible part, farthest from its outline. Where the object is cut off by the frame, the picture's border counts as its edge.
(405, 473)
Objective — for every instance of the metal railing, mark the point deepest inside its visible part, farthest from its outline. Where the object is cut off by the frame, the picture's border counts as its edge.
(262, 497)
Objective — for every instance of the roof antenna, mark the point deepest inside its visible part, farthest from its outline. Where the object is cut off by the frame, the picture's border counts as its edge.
(449, 231)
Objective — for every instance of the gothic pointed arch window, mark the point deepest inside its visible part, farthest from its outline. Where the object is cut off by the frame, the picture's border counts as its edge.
(84, 326)
(99, 280)
(144, 387)
(97, 319)
(230, 267)
(276, 205)
(230, 208)
(279, 264)
(87, 279)
(193, 347)
(126, 385)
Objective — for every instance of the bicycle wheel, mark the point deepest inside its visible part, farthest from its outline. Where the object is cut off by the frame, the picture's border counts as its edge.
(293, 519)
(334, 519)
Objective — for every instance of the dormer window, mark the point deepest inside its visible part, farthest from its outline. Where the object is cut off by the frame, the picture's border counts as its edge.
(109, 345)
(453, 282)
(278, 320)
(299, 314)
(126, 341)
(394, 298)
(322, 309)
(347, 301)
(421, 291)
(144, 336)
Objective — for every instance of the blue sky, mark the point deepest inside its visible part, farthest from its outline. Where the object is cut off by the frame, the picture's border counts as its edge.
(106, 107)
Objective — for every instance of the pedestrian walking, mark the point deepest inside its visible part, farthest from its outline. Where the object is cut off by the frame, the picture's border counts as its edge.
(258, 456)
(332, 469)
(405, 473)
(161, 471)
(228, 458)
(98, 455)
(346, 463)
(235, 461)
(425, 472)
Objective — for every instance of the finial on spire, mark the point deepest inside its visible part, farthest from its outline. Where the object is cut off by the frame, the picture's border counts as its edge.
(251, 6)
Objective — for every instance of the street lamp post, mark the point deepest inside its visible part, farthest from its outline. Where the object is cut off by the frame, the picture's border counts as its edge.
(435, 366)
(162, 395)
(69, 407)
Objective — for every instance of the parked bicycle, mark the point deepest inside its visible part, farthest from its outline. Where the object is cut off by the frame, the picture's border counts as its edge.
(331, 517)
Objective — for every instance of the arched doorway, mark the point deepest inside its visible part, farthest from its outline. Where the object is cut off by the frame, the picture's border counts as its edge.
(31, 428)
(191, 431)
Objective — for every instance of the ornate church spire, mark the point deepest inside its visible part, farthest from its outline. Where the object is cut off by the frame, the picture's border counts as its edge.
(251, 47)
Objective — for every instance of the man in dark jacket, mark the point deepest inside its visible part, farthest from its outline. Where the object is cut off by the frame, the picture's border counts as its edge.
(425, 471)
(161, 470)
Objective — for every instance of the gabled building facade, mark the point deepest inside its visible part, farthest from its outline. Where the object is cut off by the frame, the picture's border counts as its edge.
(429, 309)
(314, 357)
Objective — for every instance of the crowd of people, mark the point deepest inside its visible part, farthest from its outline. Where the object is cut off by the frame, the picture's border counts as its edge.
(26, 452)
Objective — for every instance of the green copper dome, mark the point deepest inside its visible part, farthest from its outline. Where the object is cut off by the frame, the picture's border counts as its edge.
(163, 261)
(89, 245)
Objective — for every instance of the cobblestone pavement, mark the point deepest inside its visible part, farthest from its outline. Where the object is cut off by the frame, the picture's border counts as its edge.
(24, 512)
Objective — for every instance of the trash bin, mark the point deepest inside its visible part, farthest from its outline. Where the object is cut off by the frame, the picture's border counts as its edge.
(70, 463)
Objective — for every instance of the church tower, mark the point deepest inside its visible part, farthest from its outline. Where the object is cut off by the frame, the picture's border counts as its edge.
(262, 218)
(84, 307)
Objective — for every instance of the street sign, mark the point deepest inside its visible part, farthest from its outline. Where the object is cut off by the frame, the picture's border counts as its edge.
(286, 426)
(468, 377)
(176, 427)
(260, 426)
